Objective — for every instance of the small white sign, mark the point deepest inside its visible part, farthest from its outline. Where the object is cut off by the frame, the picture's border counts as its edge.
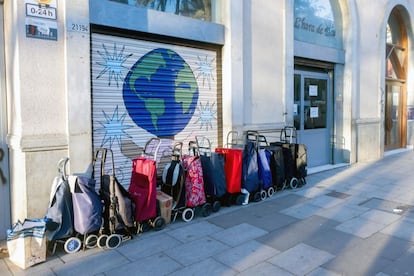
(295, 109)
(313, 90)
(314, 112)
(41, 11)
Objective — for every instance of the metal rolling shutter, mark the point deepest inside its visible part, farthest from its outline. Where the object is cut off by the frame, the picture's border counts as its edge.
(143, 89)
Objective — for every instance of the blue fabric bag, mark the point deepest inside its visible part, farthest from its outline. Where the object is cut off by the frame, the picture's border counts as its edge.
(87, 205)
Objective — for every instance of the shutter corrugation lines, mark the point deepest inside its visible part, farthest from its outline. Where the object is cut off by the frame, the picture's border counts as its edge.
(143, 90)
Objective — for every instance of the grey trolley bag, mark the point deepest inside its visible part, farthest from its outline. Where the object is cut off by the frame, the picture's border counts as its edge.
(60, 209)
(118, 215)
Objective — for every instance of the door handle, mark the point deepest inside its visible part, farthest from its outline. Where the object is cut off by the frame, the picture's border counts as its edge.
(2, 177)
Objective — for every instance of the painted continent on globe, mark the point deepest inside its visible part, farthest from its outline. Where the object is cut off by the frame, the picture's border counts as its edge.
(160, 92)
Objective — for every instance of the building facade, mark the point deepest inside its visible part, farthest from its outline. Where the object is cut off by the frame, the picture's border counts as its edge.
(78, 75)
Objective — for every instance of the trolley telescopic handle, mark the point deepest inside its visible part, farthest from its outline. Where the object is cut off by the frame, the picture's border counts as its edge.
(203, 145)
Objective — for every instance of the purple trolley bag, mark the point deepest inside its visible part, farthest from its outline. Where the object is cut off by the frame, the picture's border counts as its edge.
(87, 205)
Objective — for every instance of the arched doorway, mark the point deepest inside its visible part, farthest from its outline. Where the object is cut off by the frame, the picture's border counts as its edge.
(395, 116)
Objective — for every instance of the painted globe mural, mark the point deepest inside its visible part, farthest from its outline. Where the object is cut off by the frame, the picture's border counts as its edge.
(160, 92)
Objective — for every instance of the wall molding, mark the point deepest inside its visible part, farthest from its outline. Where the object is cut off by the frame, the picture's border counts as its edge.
(36, 143)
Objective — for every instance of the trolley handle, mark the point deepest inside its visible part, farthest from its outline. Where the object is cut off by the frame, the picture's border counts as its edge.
(61, 165)
(101, 154)
(154, 143)
(288, 134)
(203, 145)
(177, 150)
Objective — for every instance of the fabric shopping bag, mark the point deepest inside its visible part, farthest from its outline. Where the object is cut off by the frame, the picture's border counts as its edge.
(26, 242)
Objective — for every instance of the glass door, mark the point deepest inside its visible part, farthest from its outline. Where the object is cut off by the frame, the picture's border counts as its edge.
(394, 116)
(312, 113)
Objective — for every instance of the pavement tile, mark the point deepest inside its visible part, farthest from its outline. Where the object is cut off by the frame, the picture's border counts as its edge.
(310, 192)
(342, 212)
(267, 207)
(207, 267)
(246, 255)
(141, 248)
(402, 266)
(356, 262)
(302, 211)
(402, 229)
(239, 234)
(92, 264)
(3, 268)
(194, 231)
(158, 264)
(196, 251)
(380, 216)
(273, 222)
(283, 200)
(44, 268)
(301, 259)
(233, 218)
(360, 227)
(332, 241)
(383, 245)
(320, 271)
(264, 269)
(295, 233)
(325, 201)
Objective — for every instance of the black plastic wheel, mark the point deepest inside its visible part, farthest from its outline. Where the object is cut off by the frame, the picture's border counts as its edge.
(270, 192)
(113, 241)
(263, 194)
(102, 241)
(91, 241)
(257, 197)
(188, 214)
(240, 199)
(216, 206)
(159, 223)
(206, 209)
(294, 183)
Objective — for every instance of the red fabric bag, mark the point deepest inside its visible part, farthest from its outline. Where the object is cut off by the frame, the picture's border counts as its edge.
(233, 160)
(143, 188)
(194, 183)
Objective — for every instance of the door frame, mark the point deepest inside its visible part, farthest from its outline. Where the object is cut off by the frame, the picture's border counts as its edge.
(5, 203)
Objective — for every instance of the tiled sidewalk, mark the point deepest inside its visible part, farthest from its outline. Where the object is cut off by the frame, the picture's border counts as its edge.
(357, 220)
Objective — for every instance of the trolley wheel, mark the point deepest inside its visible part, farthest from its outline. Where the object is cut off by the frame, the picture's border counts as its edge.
(240, 199)
(257, 197)
(145, 226)
(216, 206)
(263, 194)
(72, 245)
(102, 241)
(206, 209)
(91, 241)
(159, 223)
(270, 192)
(113, 241)
(303, 181)
(294, 183)
(188, 214)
